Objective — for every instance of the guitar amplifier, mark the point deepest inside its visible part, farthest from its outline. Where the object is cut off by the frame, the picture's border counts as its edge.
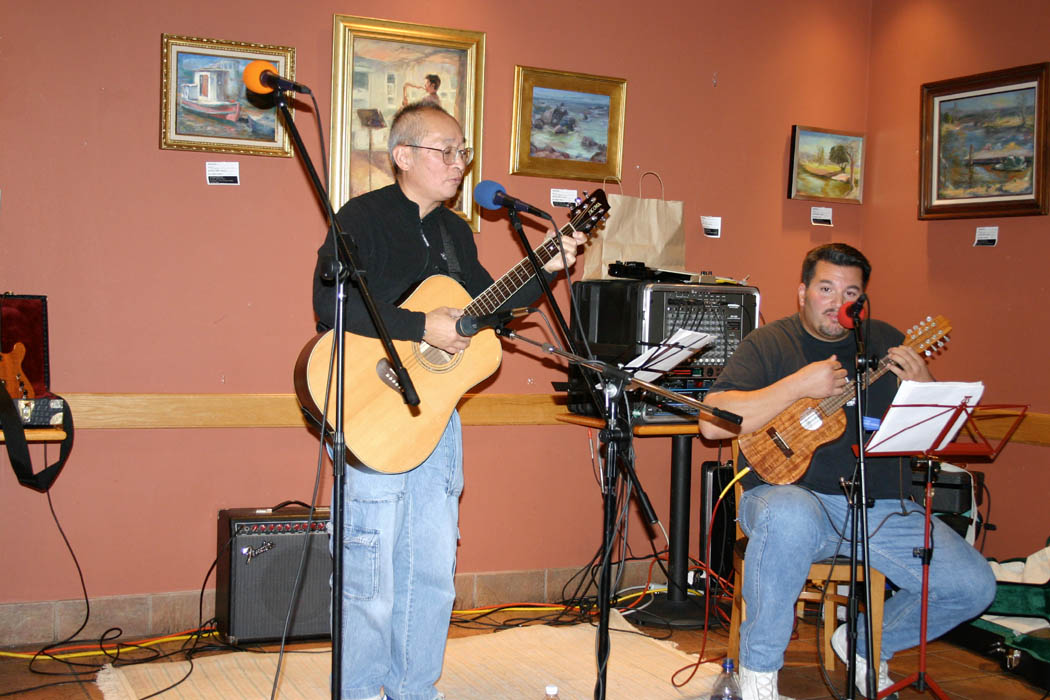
(623, 318)
(258, 557)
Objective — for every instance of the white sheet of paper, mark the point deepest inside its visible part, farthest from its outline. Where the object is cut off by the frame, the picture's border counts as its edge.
(918, 414)
(660, 358)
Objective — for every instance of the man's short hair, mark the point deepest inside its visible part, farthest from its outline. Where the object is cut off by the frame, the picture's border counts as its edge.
(837, 254)
(408, 128)
(434, 80)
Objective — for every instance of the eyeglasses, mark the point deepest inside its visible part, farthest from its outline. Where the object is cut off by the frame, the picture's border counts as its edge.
(450, 154)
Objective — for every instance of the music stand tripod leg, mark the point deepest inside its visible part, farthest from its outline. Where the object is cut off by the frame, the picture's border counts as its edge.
(921, 679)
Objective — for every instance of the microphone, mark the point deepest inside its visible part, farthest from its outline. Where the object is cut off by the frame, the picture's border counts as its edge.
(261, 78)
(492, 195)
(853, 313)
(468, 326)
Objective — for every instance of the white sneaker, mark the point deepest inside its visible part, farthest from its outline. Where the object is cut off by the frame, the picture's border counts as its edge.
(758, 685)
(838, 643)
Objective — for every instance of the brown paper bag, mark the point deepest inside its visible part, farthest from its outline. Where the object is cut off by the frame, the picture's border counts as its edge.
(643, 230)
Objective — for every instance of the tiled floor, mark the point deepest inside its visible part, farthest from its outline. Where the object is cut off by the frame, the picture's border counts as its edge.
(962, 674)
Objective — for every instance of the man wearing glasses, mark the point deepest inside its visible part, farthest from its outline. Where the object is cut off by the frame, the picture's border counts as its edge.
(401, 529)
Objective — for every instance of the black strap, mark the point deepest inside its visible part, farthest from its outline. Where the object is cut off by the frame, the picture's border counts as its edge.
(18, 448)
(450, 253)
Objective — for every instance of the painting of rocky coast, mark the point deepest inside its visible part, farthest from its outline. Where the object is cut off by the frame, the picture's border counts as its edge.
(569, 125)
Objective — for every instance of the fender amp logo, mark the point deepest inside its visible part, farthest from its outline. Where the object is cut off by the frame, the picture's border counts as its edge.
(250, 553)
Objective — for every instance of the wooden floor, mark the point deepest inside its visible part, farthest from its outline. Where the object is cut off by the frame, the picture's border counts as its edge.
(961, 673)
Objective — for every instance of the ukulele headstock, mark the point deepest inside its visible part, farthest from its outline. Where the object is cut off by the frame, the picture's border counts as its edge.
(929, 335)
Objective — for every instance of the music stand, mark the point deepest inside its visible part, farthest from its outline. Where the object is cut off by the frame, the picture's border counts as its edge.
(371, 119)
(925, 432)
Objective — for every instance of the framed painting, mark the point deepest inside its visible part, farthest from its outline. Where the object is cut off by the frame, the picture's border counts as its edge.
(204, 104)
(566, 125)
(826, 165)
(379, 66)
(983, 149)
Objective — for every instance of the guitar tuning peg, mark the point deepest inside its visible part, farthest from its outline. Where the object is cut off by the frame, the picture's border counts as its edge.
(928, 353)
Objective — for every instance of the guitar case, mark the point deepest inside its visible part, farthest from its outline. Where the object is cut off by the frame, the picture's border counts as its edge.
(1013, 631)
(28, 401)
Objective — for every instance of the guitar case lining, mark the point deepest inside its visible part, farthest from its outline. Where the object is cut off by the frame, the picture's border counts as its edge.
(23, 319)
(1015, 630)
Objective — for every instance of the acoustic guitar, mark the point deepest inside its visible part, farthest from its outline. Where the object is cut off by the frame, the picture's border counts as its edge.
(381, 430)
(780, 451)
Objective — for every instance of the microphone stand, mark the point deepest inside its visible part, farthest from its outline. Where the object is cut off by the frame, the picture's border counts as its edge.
(858, 502)
(515, 221)
(346, 266)
(616, 435)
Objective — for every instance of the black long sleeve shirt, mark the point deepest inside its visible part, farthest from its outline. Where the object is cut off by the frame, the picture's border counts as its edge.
(397, 251)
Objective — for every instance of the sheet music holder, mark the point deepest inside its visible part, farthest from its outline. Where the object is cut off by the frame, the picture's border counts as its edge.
(657, 360)
(925, 418)
(371, 118)
(922, 422)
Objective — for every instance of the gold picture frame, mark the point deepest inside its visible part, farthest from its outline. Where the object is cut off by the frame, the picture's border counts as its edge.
(203, 102)
(377, 66)
(567, 125)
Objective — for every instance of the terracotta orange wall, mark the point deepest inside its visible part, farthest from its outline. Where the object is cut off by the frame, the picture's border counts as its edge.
(158, 283)
(994, 296)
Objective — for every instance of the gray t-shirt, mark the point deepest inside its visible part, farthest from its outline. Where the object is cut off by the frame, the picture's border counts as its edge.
(774, 351)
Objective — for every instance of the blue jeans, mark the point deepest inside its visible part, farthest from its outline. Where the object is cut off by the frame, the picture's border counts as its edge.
(401, 532)
(789, 527)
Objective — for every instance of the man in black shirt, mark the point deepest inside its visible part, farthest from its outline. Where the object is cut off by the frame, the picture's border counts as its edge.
(810, 355)
(400, 530)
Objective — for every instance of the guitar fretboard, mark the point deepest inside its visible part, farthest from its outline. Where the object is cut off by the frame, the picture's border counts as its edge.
(834, 403)
(515, 278)
(930, 332)
(583, 219)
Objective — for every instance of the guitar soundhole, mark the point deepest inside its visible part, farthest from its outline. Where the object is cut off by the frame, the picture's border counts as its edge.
(811, 420)
(436, 359)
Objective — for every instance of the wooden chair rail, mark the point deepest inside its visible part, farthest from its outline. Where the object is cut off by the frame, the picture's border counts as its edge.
(151, 411)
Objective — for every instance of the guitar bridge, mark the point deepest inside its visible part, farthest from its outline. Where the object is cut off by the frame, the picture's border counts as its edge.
(387, 375)
(779, 442)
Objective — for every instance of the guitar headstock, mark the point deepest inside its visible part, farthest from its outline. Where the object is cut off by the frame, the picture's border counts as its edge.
(588, 213)
(928, 336)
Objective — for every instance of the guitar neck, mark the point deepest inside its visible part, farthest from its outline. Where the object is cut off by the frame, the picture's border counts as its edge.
(517, 277)
(834, 403)
(923, 337)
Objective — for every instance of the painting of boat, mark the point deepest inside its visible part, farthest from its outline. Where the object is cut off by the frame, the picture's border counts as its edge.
(986, 145)
(1012, 163)
(208, 95)
(206, 106)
